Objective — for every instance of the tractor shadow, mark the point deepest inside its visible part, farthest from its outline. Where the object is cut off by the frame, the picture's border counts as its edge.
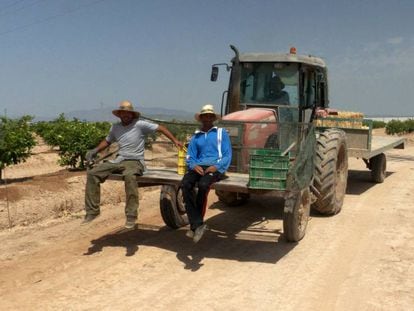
(245, 233)
(359, 181)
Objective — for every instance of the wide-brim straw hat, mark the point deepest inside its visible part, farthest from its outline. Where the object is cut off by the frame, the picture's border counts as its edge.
(125, 106)
(206, 109)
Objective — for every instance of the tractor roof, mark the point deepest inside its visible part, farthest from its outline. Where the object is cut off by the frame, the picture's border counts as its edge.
(288, 57)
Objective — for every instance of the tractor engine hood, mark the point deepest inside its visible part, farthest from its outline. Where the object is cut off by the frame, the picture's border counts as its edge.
(252, 114)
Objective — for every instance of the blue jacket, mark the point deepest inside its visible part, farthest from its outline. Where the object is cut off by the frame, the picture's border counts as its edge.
(203, 150)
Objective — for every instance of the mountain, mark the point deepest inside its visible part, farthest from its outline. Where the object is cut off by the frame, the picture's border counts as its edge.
(105, 114)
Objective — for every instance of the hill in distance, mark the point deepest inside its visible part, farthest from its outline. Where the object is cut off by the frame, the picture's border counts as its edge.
(105, 114)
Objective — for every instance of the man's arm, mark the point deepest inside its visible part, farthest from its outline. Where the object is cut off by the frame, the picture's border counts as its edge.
(92, 153)
(102, 145)
(169, 135)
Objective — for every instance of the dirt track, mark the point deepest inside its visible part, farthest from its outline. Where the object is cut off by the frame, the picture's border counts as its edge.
(360, 259)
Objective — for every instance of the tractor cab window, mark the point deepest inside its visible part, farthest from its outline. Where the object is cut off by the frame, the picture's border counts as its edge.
(269, 84)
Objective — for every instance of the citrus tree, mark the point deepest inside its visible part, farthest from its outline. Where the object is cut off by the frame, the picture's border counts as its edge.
(16, 141)
(72, 137)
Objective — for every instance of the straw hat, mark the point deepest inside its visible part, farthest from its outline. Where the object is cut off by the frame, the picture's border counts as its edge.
(206, 109)
(125, 106)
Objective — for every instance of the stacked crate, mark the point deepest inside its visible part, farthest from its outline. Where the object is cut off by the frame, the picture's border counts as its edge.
(268, 169)
(342, 119)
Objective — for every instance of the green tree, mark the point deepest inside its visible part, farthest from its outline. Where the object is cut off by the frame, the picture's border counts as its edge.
(16, 141)
(73, 138)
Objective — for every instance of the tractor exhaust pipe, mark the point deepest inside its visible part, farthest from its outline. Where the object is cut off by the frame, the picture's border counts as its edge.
(234, 87)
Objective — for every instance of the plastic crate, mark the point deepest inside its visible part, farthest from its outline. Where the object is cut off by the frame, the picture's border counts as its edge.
(268, 169)
(267, 183)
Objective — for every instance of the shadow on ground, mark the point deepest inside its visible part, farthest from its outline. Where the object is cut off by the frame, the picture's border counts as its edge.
(237, 233)
(359, 181)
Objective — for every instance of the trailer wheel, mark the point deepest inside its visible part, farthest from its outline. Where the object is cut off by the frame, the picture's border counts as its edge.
(232, 198)
(378, 166)
(172, 207)
(331, 172)
(296, 215)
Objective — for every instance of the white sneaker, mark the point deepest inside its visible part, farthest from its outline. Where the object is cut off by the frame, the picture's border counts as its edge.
(198, 233)
(190, 234)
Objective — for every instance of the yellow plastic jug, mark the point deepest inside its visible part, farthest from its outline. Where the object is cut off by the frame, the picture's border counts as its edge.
(181, 164)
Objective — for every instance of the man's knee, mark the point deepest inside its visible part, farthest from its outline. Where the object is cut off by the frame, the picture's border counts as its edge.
(204, 185)
(130, 178)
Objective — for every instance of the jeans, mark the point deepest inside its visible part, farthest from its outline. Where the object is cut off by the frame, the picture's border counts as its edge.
(195, 204)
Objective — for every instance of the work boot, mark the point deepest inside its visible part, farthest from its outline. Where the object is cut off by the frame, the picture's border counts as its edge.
(130, 222)
(88, 219)
(198, 233)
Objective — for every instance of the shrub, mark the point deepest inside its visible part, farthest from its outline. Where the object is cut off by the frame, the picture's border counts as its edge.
(400, 127)
(73, 138)
(16, 141)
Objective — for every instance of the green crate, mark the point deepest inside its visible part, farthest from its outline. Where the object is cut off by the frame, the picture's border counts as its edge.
(265, 152)
(276, 162)
(267, 183)
(268, 169)
(268, 172)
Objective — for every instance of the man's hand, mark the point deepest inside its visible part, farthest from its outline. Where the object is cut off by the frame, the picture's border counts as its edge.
(178, 144)
(91, 154)
(199, 170)
(210, 169)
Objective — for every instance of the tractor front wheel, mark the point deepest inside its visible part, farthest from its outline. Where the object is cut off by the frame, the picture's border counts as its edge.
(296, 215)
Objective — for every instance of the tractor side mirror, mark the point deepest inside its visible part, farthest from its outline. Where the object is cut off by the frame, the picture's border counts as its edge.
(214, 73)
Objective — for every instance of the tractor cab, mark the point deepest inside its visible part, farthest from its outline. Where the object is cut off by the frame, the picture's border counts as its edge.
(271, 102)
(292, 85)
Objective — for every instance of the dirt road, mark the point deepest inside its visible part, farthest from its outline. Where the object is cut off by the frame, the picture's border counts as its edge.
(360, 259)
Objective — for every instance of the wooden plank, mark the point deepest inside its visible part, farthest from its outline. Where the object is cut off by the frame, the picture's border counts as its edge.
(164, 176)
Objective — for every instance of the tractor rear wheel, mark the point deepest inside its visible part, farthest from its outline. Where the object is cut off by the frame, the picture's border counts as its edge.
(232, 198)
(296, 215)
(331, 171)
(378, 166)
(172, 207)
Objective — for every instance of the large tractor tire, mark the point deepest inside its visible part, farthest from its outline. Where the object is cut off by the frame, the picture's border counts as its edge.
(378, 166)
(172, 207)
(331, 172)
(296, 215)
(232, 198)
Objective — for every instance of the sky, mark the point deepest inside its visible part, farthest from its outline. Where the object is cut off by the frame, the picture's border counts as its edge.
(64, 55)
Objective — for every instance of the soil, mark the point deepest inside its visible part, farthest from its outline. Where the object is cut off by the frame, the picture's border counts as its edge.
(360, 259)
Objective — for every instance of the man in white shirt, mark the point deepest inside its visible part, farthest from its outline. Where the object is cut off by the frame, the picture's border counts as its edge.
(130, 135)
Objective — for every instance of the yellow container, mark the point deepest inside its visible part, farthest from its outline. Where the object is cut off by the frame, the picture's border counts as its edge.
(181, 164)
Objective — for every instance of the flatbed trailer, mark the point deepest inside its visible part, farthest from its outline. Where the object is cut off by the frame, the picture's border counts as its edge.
(361, 144)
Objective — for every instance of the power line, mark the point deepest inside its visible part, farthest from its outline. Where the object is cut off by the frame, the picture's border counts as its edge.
(21, 8)
(10, 5)
(47, 19)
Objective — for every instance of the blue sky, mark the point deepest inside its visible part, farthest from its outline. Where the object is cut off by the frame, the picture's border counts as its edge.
(64, 55)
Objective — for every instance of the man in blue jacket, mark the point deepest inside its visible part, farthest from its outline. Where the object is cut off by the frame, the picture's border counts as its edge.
(208, 158)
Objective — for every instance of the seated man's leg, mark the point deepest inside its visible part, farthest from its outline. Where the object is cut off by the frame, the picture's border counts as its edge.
(95, 177)
(204, 185)
(187, 186)
(132, 169)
